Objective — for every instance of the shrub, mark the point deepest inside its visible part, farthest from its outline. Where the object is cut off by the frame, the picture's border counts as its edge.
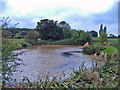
(32, 37)
(85, 37)
(92, 49)
(25, 44)
(89, 50)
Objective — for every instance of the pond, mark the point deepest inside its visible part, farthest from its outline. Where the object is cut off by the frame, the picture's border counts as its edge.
(51, 58)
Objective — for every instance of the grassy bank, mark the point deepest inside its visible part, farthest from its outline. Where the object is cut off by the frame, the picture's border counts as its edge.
(111, 39)
(62, 42)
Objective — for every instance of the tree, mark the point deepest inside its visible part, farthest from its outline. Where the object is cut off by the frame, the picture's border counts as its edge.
(105, 29)
(94, 33)
(32, 36)
(18, 36)
(103, 34)
(103, 37)
(81, 37)
(112, 35)
(66, 29)
(102, 30)
(75, 36)
(85, 37)
(48, 30)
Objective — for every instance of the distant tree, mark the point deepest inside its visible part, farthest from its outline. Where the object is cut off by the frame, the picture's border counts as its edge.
(75, 35)
(81, 37)
(112, 35)
(103, 37)
(32, 37)
(85, 37)
(64, 24)
(105, 29)
(48, 30)
(18, 36)
(94, 33)
(66, 29)
(101, 29)
(103, 34)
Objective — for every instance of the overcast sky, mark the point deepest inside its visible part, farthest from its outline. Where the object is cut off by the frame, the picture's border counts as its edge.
(80, 14)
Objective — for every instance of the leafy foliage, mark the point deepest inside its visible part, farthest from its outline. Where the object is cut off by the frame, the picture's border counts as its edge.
(81, 37)
(103, 37)
(48, 30)
(67, 33)
(18, 36)
(32, 37)
(102, 30)
(90, 50)
(103, 34)
(85, 37)
(9, 60)
(75, 35)
(94, 33)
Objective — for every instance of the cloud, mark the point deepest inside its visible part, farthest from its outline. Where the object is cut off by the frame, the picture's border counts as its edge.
(80, 14)
(24, 7)
(110, 16)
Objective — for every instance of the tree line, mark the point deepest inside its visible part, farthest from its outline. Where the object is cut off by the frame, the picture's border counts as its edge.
(51, 30)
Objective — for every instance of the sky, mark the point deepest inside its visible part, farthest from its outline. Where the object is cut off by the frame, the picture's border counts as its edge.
(80, 14)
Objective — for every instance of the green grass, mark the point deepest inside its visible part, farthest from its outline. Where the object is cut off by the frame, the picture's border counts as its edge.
(62, 42)
(113, 39)
(109, 49)
(16, 39)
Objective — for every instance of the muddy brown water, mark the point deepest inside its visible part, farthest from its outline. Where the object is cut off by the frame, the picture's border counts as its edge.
(52, 59)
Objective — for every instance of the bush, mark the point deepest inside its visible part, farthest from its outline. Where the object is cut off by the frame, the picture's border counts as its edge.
(32, 37)
(85, 37)
(89, 50)
(25, 44)
(41, 42)
(93, 49)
